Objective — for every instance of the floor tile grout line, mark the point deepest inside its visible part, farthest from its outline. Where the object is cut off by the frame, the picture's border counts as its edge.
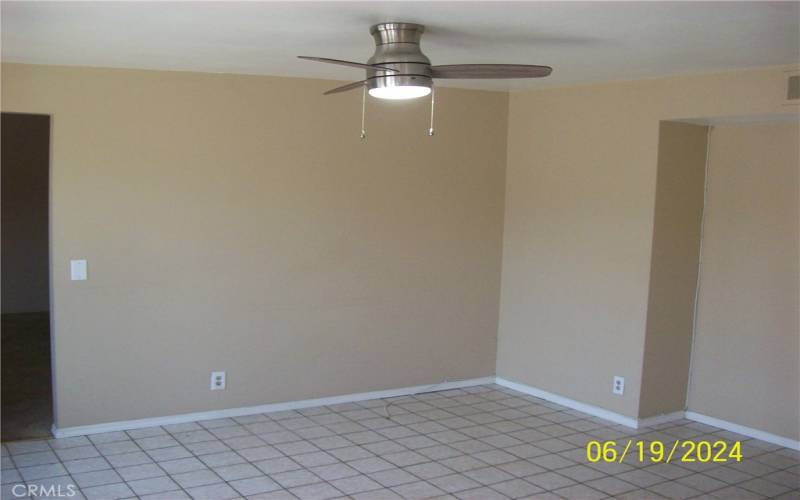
(651, 485)
(344, 436)
(247, 461)
(181, 488)
(433, 413)
(211, 468)
(61, 463)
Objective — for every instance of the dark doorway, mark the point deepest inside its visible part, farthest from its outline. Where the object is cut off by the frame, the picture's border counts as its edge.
(27, 396)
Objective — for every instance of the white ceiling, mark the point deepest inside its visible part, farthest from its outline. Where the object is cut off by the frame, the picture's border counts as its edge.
(583, 41)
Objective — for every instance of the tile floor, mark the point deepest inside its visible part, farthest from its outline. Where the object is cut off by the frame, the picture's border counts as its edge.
(484, 443)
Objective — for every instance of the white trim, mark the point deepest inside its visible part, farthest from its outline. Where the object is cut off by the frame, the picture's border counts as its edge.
(700, 268)
(406, 391)
(82, 430)
(744, 430)
(570, 403)
(661, 419)
(646, 422)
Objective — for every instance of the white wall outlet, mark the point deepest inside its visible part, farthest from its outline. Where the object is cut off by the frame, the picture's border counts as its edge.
(217, 381)
(77, 270)
(619, 385)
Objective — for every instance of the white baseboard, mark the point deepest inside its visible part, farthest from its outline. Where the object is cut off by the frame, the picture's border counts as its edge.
(744, 430)
(661, 419)
(595, 411)
(646, 422)
(124, 425)
(405, 391)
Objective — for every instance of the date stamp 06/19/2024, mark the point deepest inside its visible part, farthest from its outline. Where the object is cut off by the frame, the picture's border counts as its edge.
(664, 452)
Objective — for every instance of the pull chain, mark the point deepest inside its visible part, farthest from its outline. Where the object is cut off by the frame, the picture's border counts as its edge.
(433, 100)
(363, 113)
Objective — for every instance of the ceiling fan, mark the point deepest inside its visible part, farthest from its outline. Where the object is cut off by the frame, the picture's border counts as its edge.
(399, 70)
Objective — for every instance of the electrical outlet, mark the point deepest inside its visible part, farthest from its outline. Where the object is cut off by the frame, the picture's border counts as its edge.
(217, 381)
(619, 385)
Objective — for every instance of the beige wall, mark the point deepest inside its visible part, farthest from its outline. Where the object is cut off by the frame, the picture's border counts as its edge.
(680, 183)
(580, 198)
(25, 165)
(237, 223)
(745, 363)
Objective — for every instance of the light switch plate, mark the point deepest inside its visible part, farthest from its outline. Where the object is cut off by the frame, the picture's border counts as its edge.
(77, 270)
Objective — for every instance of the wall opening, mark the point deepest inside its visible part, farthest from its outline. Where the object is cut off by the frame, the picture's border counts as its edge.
(746, 353)
(680, 181)
(722, 337)
(27, 396)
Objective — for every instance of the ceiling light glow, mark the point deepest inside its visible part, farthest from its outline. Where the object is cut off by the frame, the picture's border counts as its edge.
(400, 92)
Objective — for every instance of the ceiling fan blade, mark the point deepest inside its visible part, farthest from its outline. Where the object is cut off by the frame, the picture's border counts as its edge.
(345, 88)
(490, 71)
(347, 63)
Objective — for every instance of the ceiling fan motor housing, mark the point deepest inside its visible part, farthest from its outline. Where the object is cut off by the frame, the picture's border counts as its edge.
(397, 46)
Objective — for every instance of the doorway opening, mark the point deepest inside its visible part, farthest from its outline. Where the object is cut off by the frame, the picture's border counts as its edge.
(27, 395)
